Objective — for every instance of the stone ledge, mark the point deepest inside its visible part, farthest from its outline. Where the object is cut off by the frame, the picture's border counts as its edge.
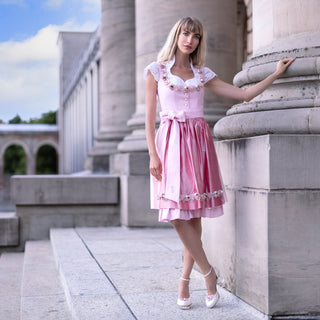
(9, 229)
(60, 189)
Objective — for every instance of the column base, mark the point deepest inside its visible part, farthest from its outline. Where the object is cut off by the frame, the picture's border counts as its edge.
(267, 243)
(133, 169)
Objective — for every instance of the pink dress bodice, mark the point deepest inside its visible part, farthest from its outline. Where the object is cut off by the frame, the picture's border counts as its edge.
(188, 98)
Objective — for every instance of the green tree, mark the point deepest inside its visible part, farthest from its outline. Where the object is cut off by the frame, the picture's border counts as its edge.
(47, 161)
(15, 160)
(16, 120)
(46, 118)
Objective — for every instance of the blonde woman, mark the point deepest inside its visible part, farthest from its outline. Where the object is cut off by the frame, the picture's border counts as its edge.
(186, 184)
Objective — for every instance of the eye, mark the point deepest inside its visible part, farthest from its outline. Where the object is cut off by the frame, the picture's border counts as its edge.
(186, 33)
(197, 36)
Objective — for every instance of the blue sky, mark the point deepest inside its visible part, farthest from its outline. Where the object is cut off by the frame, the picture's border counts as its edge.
(29, 54)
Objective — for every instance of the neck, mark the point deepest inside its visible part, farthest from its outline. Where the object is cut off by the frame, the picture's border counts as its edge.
(182, 60)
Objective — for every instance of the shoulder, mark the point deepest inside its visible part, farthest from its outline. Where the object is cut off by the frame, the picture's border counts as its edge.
(154, 68)
(208, 74)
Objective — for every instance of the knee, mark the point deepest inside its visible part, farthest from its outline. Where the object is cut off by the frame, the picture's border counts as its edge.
(178, 224)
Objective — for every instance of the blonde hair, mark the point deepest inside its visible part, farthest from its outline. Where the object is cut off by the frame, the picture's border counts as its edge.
(192, 25)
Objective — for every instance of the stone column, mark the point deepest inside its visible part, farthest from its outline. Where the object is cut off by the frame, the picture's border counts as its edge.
(220, 21)
(267, 244)
(117, 79)
(280, 29)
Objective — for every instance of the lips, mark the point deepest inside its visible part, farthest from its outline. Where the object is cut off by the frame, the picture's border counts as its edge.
(187, 47)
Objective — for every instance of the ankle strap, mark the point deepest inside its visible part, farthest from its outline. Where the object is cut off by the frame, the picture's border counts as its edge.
(207, 274)
(184, 279)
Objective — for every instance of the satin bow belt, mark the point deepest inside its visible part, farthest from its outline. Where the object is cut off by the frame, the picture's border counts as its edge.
(172, 168)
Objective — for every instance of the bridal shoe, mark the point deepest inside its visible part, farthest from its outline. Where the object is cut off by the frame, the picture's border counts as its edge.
(184, 303)
(212, 299)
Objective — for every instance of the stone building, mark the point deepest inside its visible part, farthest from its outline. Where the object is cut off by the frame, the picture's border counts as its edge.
(267, 243)
(30, 138)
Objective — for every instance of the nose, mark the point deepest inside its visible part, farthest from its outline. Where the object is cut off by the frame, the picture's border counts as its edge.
(189, 39)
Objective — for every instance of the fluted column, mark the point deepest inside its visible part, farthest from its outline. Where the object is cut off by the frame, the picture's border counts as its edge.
(280, 29)
(220, 21)
(117, 74)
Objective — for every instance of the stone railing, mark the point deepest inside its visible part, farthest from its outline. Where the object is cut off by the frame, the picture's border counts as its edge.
(59, 201)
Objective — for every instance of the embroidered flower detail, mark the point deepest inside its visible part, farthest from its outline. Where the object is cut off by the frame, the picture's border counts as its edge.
(197, 196)
(184, 88)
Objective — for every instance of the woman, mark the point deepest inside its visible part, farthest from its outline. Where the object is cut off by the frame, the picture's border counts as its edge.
(186, 184)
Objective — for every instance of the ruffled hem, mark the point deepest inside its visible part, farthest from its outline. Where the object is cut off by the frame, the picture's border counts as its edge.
(166, 215)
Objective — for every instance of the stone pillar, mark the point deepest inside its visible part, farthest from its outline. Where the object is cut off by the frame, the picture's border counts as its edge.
(220, 21)
(267, 244)
(117, 79)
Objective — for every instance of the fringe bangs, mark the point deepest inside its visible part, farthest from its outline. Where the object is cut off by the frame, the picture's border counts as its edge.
(192, 25)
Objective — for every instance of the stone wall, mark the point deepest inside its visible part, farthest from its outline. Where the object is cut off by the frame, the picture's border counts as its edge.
(44, 202)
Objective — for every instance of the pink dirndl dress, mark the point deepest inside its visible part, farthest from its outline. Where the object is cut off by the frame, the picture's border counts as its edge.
(191, 185)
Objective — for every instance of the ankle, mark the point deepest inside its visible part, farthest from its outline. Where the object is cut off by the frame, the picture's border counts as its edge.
(208, 273)
(185, 279)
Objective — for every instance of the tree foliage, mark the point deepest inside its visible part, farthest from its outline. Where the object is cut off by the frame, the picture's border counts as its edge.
(47, 160)
(46, 118)
(16, 120)
(15, 160)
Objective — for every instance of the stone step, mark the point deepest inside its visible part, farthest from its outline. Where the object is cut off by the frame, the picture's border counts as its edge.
(42, 295)
(11, 265)
(89, 292)
(9, 229)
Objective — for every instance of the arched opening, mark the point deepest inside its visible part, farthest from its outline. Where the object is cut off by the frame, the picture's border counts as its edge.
(47, 160)
(15, 160)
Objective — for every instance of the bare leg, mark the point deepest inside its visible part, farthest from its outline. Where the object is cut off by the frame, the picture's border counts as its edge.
(191, 238)
(188, 263)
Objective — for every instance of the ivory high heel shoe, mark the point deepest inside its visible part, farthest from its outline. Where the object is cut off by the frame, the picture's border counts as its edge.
(184, 303)
(212, 299)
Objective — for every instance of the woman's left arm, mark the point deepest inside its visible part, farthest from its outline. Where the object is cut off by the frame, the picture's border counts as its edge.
(227, 90)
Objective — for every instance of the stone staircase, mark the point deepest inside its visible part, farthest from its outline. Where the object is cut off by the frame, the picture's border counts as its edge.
(109, 273)
(56, 279)
(30, 286)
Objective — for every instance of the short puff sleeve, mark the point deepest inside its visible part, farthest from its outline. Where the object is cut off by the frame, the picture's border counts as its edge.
(154, 68)
(208, 74)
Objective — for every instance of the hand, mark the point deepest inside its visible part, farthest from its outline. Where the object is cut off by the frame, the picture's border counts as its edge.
(283, 65)
(156, 167)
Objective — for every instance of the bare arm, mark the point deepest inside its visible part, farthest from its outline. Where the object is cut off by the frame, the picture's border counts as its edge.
(227, 90)
(151, 110)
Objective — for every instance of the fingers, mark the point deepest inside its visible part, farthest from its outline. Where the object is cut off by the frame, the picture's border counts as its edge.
(284, 64)
(287, 62)
(156, 173)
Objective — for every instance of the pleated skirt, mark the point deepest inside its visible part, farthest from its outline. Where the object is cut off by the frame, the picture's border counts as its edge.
(189, 161)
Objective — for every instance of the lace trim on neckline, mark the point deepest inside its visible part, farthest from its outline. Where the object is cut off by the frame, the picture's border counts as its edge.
(185, 88)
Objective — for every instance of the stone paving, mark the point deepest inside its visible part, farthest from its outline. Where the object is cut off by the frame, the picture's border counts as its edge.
(109, 273)
(143, 267)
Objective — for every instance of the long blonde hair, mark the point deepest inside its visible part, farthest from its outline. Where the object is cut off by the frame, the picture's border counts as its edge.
(192, 25)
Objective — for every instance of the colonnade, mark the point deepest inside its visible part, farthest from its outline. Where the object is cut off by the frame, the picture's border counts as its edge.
(268, 147)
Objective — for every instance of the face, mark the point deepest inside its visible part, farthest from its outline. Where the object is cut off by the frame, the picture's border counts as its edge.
(188, 41)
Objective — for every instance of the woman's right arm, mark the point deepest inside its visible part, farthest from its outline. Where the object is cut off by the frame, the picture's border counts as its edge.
(151, 111)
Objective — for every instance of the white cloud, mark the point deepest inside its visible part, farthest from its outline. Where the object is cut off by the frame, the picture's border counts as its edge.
(40, 47)
(29, 72)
